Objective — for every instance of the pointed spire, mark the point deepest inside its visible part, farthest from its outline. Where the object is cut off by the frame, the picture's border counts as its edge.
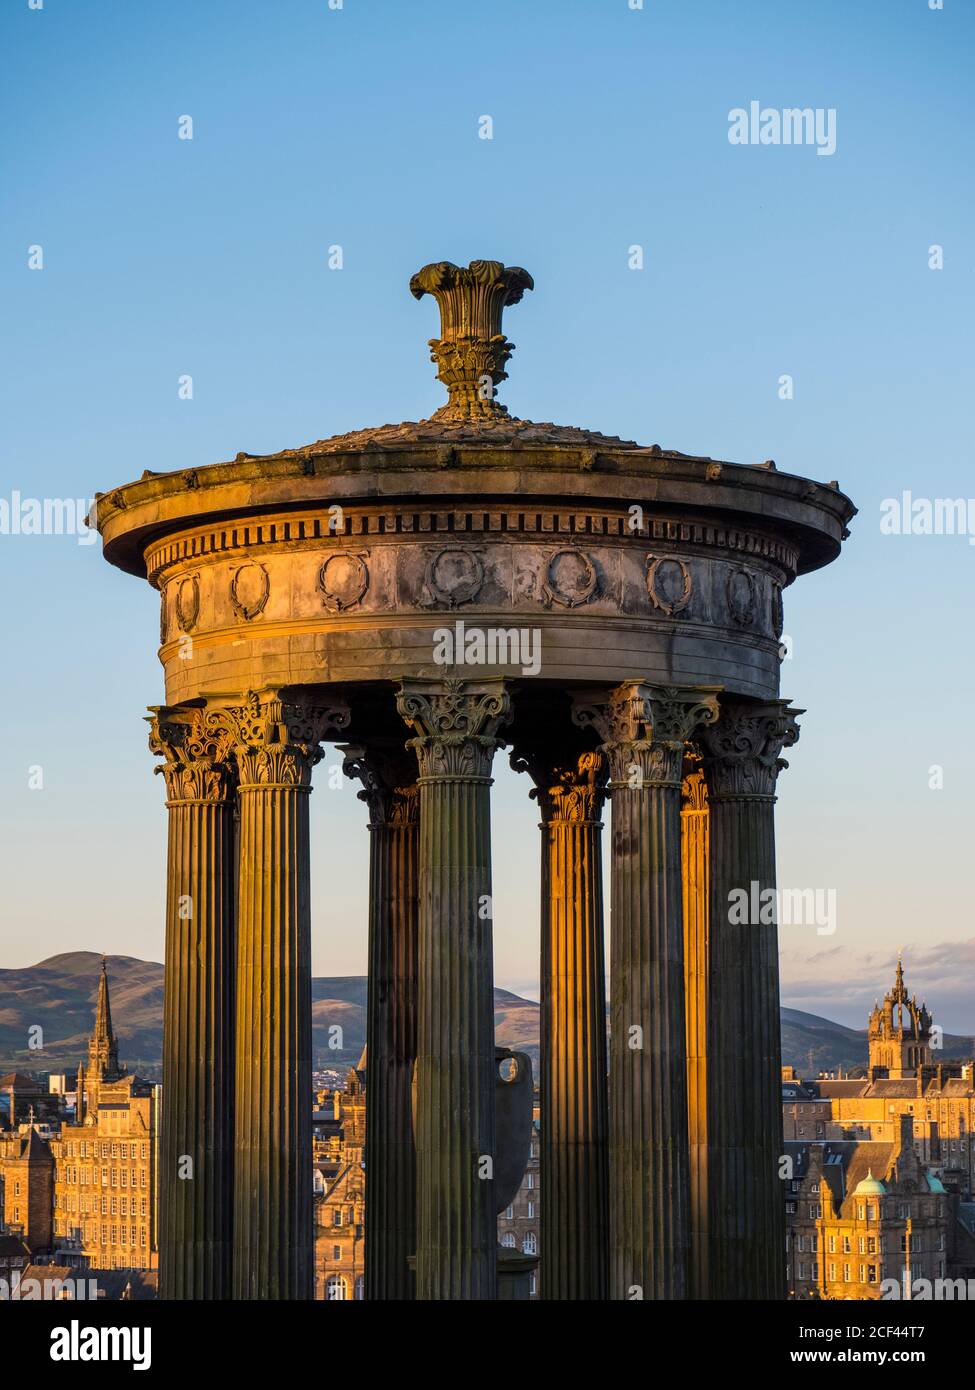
(103, 1064)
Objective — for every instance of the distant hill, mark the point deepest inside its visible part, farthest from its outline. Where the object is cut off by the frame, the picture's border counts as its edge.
(59, 994)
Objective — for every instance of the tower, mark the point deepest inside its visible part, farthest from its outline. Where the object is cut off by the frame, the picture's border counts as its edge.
(103, 1063)
(899, 1033)
(28, 1190)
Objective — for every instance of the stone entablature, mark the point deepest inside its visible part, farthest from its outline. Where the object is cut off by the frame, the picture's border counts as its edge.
(687, 590)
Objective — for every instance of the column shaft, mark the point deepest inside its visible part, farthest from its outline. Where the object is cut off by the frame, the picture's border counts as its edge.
(694, 869)
(273, 1185)
(644, 730)
(456, 1256)
(196, 1140)
(570, 790)
(275, 744)
(393, 800)
(746, 1211)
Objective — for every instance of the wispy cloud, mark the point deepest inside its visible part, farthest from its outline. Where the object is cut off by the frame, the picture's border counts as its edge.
(842, 984)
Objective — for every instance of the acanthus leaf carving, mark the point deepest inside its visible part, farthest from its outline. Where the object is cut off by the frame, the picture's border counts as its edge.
(456, 723)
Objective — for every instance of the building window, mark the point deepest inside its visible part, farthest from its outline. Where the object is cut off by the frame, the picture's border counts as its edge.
(529, 1245)
(861, 1212)
(335, 1288)
(871, 1274)
(863, 1274)
(531, 1210)
(508, 1240)
(360, 1288)
(337, 1217)
(509, 1213)
(814, 1269)
(832, 1273)
(846, 1274)
(337, 1255)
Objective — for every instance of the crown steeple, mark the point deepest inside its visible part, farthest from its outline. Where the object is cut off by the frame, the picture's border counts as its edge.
(899, 1032)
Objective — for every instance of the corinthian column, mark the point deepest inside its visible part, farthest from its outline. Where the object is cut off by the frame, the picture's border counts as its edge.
(570, 790)
(694, 884)
(455, 723)
(643, 729)
(276, 744)
(197, 1141)
(388, 774)
(746, 1216)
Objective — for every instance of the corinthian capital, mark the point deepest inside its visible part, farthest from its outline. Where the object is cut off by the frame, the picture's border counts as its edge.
(275, 741)
(741, 752)
(643, 728)
(567, 787)
(197, 763)
(388, 773)
(455, 723)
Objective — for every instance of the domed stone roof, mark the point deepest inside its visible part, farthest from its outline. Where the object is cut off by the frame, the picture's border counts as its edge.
(870, 1187)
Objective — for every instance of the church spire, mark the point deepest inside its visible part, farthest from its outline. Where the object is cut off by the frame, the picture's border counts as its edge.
(103, 1062)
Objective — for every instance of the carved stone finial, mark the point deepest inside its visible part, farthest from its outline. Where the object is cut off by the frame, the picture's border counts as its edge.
(471, 351)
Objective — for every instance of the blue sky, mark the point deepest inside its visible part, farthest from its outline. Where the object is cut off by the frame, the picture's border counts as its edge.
(358, 127)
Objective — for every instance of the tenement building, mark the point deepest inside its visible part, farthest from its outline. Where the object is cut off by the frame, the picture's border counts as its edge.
(340, 1195)
(428, 593)
(105, 1163)
(862, 1213)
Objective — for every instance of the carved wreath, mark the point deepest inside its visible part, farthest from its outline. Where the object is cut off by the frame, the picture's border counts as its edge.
(554, 591)
(659, 600)
(242, 608)
(350, 580)
(188, 601)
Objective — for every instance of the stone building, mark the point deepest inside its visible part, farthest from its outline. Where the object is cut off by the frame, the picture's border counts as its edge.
(27, 1183)
(24, 1099)
(903, 1080)
(105, 1163)
(860, 1213)
(519, 1224)
(339, 1206)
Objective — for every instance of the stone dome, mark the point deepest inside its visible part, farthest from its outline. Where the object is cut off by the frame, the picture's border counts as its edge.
(870, 1187)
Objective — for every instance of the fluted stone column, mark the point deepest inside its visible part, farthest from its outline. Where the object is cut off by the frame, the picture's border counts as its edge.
(643, 729)
(746, 1213)
(390, 791)
(694, 888)
(574, 1226)
(196, 1141)
(275, 745)
(455, 725)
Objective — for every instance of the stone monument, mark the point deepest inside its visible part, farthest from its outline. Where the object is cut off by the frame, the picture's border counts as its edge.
(426, 593)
